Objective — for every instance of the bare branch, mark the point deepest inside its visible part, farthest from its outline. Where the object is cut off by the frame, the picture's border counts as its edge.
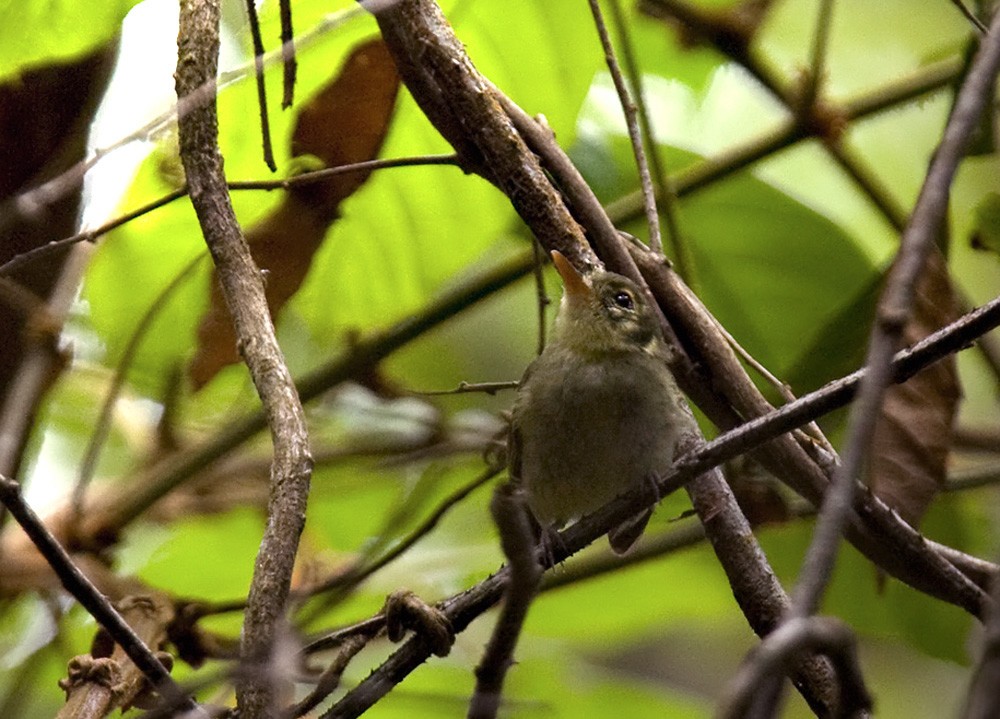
(290, 66)
(197, 64)
(305, 178)
(777, 653)
(77, 584)
(510, 512)
(258, 59)
(894, 310)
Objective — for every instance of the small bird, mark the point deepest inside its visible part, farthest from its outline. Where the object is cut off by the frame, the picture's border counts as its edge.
(597, 412)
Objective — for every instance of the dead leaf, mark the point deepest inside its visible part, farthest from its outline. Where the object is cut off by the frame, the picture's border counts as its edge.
(913, 435)
(345, 123)
(45, 116)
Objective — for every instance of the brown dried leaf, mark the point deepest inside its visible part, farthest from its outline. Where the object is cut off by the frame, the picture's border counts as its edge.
(346, 122)
(914, 432)
(45, 116)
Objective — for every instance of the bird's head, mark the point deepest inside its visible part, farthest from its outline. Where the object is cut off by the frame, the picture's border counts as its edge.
(602, 312)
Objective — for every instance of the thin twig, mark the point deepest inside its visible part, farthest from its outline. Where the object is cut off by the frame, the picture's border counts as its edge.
(329, 680)
(305, 178)
(635, 136)
(490, 388)
(96, 604)
(680, 251)
(366, 629)
(258, 60)
(780, 387)
(290, 66)
(817, 64)
(510, 512)
(790, 132)
(871, 186)
(970, 16)
(26, 258)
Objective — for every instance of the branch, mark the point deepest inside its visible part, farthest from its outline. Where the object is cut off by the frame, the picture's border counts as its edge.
(77, 584)
(757, 590)
(463, 107)
(894, 311)
(258, 58)
(511, 514)
(632, 123)
(197, 64)
(306, 178)
(777, 653)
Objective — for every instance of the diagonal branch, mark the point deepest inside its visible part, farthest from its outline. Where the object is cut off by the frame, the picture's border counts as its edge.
(894, 311)
(77, 584)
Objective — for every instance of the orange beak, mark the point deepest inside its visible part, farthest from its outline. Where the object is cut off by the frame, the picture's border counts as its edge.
(573, 281)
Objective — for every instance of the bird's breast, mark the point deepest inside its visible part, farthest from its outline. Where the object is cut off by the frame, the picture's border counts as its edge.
(590, 430)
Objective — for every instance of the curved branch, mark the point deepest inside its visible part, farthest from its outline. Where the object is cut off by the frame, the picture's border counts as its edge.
(197, 64)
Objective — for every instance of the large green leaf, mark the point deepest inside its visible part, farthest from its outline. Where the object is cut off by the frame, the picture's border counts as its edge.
(396, 242)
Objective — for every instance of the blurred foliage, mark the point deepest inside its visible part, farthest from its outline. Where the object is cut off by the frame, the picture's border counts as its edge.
(787, 255)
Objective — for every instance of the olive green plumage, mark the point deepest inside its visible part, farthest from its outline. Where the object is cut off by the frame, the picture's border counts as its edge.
(598, 411)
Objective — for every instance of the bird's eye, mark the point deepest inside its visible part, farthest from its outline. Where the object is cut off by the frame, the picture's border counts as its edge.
(624, 300)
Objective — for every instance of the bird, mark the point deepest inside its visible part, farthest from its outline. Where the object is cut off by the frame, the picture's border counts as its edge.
(598, 411)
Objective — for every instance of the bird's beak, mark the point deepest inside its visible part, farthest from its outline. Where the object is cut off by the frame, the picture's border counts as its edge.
(576, 286)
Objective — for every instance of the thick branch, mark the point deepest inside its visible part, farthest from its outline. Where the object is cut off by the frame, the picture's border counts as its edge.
(463, 107)
(197, 64)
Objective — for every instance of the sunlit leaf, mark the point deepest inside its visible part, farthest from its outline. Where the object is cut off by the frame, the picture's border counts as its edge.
(55, 31)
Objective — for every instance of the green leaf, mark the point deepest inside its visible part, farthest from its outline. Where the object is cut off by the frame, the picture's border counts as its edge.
(209, 557)
(39, 32)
